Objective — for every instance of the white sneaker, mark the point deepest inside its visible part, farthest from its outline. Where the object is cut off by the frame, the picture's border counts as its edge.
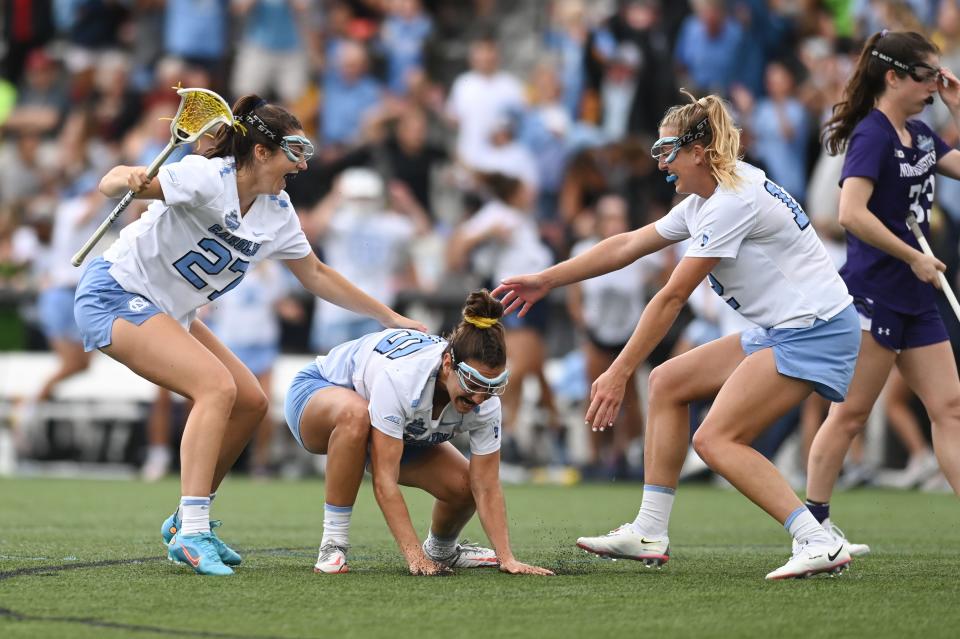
(466, 555)
(810, 560)
(855, 550)
(332, 559)
(919, 469)
(625, 543)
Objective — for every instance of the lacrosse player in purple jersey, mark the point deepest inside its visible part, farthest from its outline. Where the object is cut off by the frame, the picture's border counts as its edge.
(213, 218)
(888, 173)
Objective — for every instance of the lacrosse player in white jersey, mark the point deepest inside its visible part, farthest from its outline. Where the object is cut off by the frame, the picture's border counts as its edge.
(756, 246)
(214, 217)
(399, 396)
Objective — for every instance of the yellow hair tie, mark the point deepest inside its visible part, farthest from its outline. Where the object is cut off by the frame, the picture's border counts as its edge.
(480, 322)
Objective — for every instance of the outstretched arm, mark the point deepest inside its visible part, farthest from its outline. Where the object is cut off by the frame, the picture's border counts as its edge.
(485, 485)
(607, 392)
(324, 282)
(609, 255)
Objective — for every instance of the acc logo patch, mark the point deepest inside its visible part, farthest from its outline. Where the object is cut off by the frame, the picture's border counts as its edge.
(137, 304)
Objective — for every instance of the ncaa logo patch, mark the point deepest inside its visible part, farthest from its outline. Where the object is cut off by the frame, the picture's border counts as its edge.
(138, 304)
(924, 143)
(232, 220)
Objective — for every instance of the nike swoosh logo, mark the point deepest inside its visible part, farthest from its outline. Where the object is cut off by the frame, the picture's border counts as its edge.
(834, 555)
(645, 541)
(193, 561)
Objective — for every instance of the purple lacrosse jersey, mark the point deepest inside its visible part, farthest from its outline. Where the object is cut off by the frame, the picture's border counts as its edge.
(903, 181)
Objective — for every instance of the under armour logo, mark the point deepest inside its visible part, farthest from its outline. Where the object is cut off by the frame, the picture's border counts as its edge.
(883, 331)
(138, 304)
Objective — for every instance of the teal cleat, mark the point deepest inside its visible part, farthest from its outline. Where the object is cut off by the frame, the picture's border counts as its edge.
(199, 552)
(227, 554)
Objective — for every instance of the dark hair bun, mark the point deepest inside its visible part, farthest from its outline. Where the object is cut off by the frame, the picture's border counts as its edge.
(482, 304)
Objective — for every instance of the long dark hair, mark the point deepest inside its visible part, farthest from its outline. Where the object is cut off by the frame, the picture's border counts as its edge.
(867, 82)
(240, 141)
(485, 345)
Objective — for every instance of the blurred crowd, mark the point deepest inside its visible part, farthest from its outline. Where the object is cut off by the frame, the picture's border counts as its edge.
(459, 142)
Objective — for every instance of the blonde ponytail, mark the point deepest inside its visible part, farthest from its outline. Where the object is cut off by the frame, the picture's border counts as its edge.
(721, 144)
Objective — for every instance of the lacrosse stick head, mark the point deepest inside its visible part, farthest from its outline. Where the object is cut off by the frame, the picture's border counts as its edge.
(200, 110)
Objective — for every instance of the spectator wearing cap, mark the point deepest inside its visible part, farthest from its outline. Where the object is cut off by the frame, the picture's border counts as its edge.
(348, 95)
(479, 98)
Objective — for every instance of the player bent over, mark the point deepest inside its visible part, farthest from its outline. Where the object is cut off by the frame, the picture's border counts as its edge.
(416, 391)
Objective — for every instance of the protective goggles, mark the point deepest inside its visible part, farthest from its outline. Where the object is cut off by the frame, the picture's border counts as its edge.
(666, 148)
(296, 147)
(920, 72)
(473, 382)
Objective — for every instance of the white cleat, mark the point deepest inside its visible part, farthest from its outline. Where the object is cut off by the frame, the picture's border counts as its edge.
(332, 559)
(810, 560)
(855, 550)
(466, 555)
(625, 543)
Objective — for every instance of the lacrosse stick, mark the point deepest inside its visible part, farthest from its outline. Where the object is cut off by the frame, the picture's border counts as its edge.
(925, 247)
(199, 111)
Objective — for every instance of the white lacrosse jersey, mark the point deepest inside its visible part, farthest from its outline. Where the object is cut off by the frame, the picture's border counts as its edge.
(194, 246)
(248, 316)
(395, 370)
(613, 302)
(773, 268)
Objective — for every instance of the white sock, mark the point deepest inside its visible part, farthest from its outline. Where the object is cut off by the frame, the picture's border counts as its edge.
(805, 528)
(336, 524)
(194, 515)
(654, 515)
(440, 547)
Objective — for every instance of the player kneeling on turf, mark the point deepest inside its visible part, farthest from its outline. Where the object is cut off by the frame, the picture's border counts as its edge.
(417, 391)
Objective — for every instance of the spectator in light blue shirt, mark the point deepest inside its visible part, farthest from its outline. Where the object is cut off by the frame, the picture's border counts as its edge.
(347, 95)
(402, 35)
(780, 130)
(196, 30)
(708, 45)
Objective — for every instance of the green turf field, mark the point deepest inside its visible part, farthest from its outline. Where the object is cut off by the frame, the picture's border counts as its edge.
(83, 559)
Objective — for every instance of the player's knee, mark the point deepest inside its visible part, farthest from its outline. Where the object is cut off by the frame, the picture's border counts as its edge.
(851, 420)
(218, 387)
(946, 414)
(704, 444)
(254, 402)
(353, 422)
(662, 384)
